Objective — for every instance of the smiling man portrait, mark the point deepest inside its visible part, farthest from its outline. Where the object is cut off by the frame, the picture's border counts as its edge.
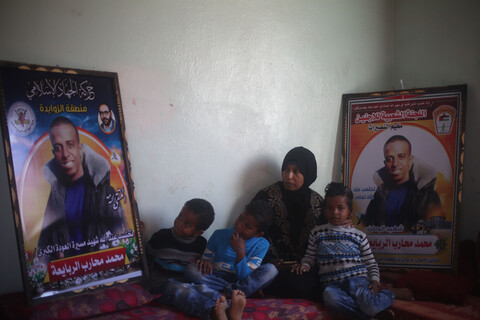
(405, 191)
(80, 205)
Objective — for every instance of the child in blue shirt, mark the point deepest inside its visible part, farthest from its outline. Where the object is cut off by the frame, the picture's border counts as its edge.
(230, 268)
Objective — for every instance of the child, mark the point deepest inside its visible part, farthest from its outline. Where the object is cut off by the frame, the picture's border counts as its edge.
(230, 268)
(174, 248)
(347, 267)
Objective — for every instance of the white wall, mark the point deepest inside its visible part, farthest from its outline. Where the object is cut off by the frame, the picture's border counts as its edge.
(437, 43)
(214, 92)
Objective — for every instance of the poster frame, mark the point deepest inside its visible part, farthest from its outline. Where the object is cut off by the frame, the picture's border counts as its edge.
(371, 117)
(31, 96)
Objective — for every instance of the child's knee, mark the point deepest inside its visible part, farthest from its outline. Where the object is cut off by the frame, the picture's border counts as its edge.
(330, 298)
(371, 304)
(270, 270)
(172, 289)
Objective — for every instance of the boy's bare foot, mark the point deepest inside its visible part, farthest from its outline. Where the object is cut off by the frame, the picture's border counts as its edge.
(402, 294)
(237, 305)
(219, 310)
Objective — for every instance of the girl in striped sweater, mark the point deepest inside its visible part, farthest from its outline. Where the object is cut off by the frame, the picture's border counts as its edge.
(347, 267)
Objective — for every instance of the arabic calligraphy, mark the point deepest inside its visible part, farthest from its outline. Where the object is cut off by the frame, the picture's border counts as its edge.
(368, 190)
(385, 126)
(84, 264)
(408, 260)
(57, 88)
(385, 229)
(392, 105)
(115, 199)
(405, 244)
(59, 108)
(92, 243)
(384, 116)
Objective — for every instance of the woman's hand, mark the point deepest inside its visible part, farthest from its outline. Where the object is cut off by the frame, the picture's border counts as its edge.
(300, 268)
(205, 266)
(238, 244)
(277, 262)
(374, 286)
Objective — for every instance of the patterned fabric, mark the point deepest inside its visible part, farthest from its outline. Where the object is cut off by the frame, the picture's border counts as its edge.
(340, 253)
(279, 235)
(13, 307)
(255, 309)
(81, 306)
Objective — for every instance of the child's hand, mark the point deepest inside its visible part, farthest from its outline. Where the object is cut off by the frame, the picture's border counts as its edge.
(300, 268)
(205, 266)
(374, 286)
(238, 244)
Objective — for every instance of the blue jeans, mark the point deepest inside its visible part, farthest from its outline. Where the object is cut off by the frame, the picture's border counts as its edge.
(227, 282)
(194, 299)
(352, 297)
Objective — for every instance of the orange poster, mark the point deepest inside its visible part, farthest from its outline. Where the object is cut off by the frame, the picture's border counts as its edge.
(403, 154)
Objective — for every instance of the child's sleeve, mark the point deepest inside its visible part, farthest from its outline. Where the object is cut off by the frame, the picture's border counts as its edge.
(369, 260)
(253, 259)
(209, 253)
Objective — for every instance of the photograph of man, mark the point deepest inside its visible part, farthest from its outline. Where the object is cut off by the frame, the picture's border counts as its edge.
(81, 204)
(107, 121)
(405, 191)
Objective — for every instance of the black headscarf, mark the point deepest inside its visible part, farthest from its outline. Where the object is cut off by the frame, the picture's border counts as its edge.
(306, 162)
(298, 202)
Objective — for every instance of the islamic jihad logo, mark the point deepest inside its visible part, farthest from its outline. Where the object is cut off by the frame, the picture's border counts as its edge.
(21, 118)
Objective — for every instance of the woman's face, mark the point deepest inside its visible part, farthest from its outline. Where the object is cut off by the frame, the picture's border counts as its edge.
(292, 178)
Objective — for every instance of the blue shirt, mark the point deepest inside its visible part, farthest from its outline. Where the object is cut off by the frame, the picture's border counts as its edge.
(74, 198)
(225, 258)
(393, 207)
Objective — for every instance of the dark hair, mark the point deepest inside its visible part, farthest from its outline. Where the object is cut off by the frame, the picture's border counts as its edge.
(337, 189)
(204, 210)
(398, 138)
(261, 211)
(63, 120)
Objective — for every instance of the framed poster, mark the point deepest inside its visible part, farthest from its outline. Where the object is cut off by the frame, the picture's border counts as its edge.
(403, 160)
(70, 181)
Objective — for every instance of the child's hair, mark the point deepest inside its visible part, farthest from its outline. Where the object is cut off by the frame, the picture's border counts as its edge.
(262, 212)
(337, 189)
(204, 210)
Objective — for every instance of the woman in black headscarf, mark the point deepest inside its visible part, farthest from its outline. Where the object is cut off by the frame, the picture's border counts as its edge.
(297, 209)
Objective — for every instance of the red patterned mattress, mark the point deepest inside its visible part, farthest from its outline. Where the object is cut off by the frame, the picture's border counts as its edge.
(133, 302)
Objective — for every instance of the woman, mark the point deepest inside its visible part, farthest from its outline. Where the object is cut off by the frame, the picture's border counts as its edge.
(297, 209)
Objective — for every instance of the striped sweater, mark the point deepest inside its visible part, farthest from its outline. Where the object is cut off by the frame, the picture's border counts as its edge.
(340, 253)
